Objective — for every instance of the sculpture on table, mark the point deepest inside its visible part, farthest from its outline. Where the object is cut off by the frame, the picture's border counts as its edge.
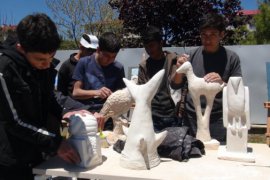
(83, 131)
(197, 87)
(117, 104)
(236, 119)
(140, 150)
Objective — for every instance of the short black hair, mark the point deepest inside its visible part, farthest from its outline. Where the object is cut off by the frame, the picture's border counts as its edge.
(152, 33)
(38, 33)
(109, 42)
(213, 20)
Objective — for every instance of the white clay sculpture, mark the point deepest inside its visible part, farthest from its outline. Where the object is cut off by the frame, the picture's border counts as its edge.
(140, 151)
(83, 131)
(198, 87)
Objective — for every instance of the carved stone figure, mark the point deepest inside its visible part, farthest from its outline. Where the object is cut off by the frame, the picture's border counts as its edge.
(140, 151)
(83, 131)
(198, 87)
(117, 104)
(236, 119)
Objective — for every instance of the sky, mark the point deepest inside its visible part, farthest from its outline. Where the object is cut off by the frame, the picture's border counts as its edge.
(12, 11)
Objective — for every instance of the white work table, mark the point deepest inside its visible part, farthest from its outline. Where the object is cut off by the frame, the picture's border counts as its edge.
(206, 167)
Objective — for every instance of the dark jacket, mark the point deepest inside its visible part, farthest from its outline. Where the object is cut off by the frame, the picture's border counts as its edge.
(29, 114)
(65, 82)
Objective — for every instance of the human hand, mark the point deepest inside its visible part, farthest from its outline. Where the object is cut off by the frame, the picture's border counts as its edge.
(100, 119)
(68, 153)
(181, 59)
(213, 77)
(104, 92)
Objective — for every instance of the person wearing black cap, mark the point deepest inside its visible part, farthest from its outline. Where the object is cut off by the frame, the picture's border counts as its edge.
(88, 45)
(30, 116)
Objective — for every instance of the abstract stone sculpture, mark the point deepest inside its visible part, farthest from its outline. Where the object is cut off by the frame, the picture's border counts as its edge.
(236, 119)
(83, 131)
(140, 151)
(198, 87)
(117, 104)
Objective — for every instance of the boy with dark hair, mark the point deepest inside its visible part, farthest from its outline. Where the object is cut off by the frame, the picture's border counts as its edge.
(152, 33)
(212, 21)
(109, 42)
(29, 113)
(214, 63)
(163, 107)
(97, 76)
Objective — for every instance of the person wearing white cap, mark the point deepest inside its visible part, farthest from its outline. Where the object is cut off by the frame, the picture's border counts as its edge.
(88, 45)
(98, 75)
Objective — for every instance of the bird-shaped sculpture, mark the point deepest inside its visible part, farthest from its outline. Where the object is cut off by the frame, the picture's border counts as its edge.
(236, 116)
(198, 87)
(117, 103)
(140, 151)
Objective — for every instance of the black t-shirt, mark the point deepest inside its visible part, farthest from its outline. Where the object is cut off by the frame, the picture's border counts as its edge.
(154, 66)
(162, 103)
(215, 62)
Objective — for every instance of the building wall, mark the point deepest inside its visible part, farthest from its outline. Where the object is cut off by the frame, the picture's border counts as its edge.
(253, 63)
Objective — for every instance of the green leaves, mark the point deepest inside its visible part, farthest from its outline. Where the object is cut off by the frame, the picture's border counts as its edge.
(178, 19)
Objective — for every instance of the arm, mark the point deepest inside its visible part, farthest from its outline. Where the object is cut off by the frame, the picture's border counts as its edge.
(79, 93)
(235, 67)
(177, 79)
(120, 83)
(142, 75)
(62, 84)
(15, 123)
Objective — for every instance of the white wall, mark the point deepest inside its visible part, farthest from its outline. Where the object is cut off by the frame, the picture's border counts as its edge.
(253, 63)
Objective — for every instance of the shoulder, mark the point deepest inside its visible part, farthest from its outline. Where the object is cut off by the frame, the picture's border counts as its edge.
(196, 50)
(232, 56)
(65, 63)
(144, 62)
(84, 60)
(230, 52)
(5, 62)
(170, 55)
(118, 65)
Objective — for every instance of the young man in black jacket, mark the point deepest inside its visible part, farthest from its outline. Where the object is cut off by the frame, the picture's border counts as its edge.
(29, 113)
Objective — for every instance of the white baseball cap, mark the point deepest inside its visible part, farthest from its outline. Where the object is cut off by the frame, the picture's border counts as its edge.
(89, 41)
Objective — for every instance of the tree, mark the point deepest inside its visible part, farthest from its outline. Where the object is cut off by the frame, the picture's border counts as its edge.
(262, 23)
(107, 21)
(68, 44)
(178, 19)
(77, 16)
